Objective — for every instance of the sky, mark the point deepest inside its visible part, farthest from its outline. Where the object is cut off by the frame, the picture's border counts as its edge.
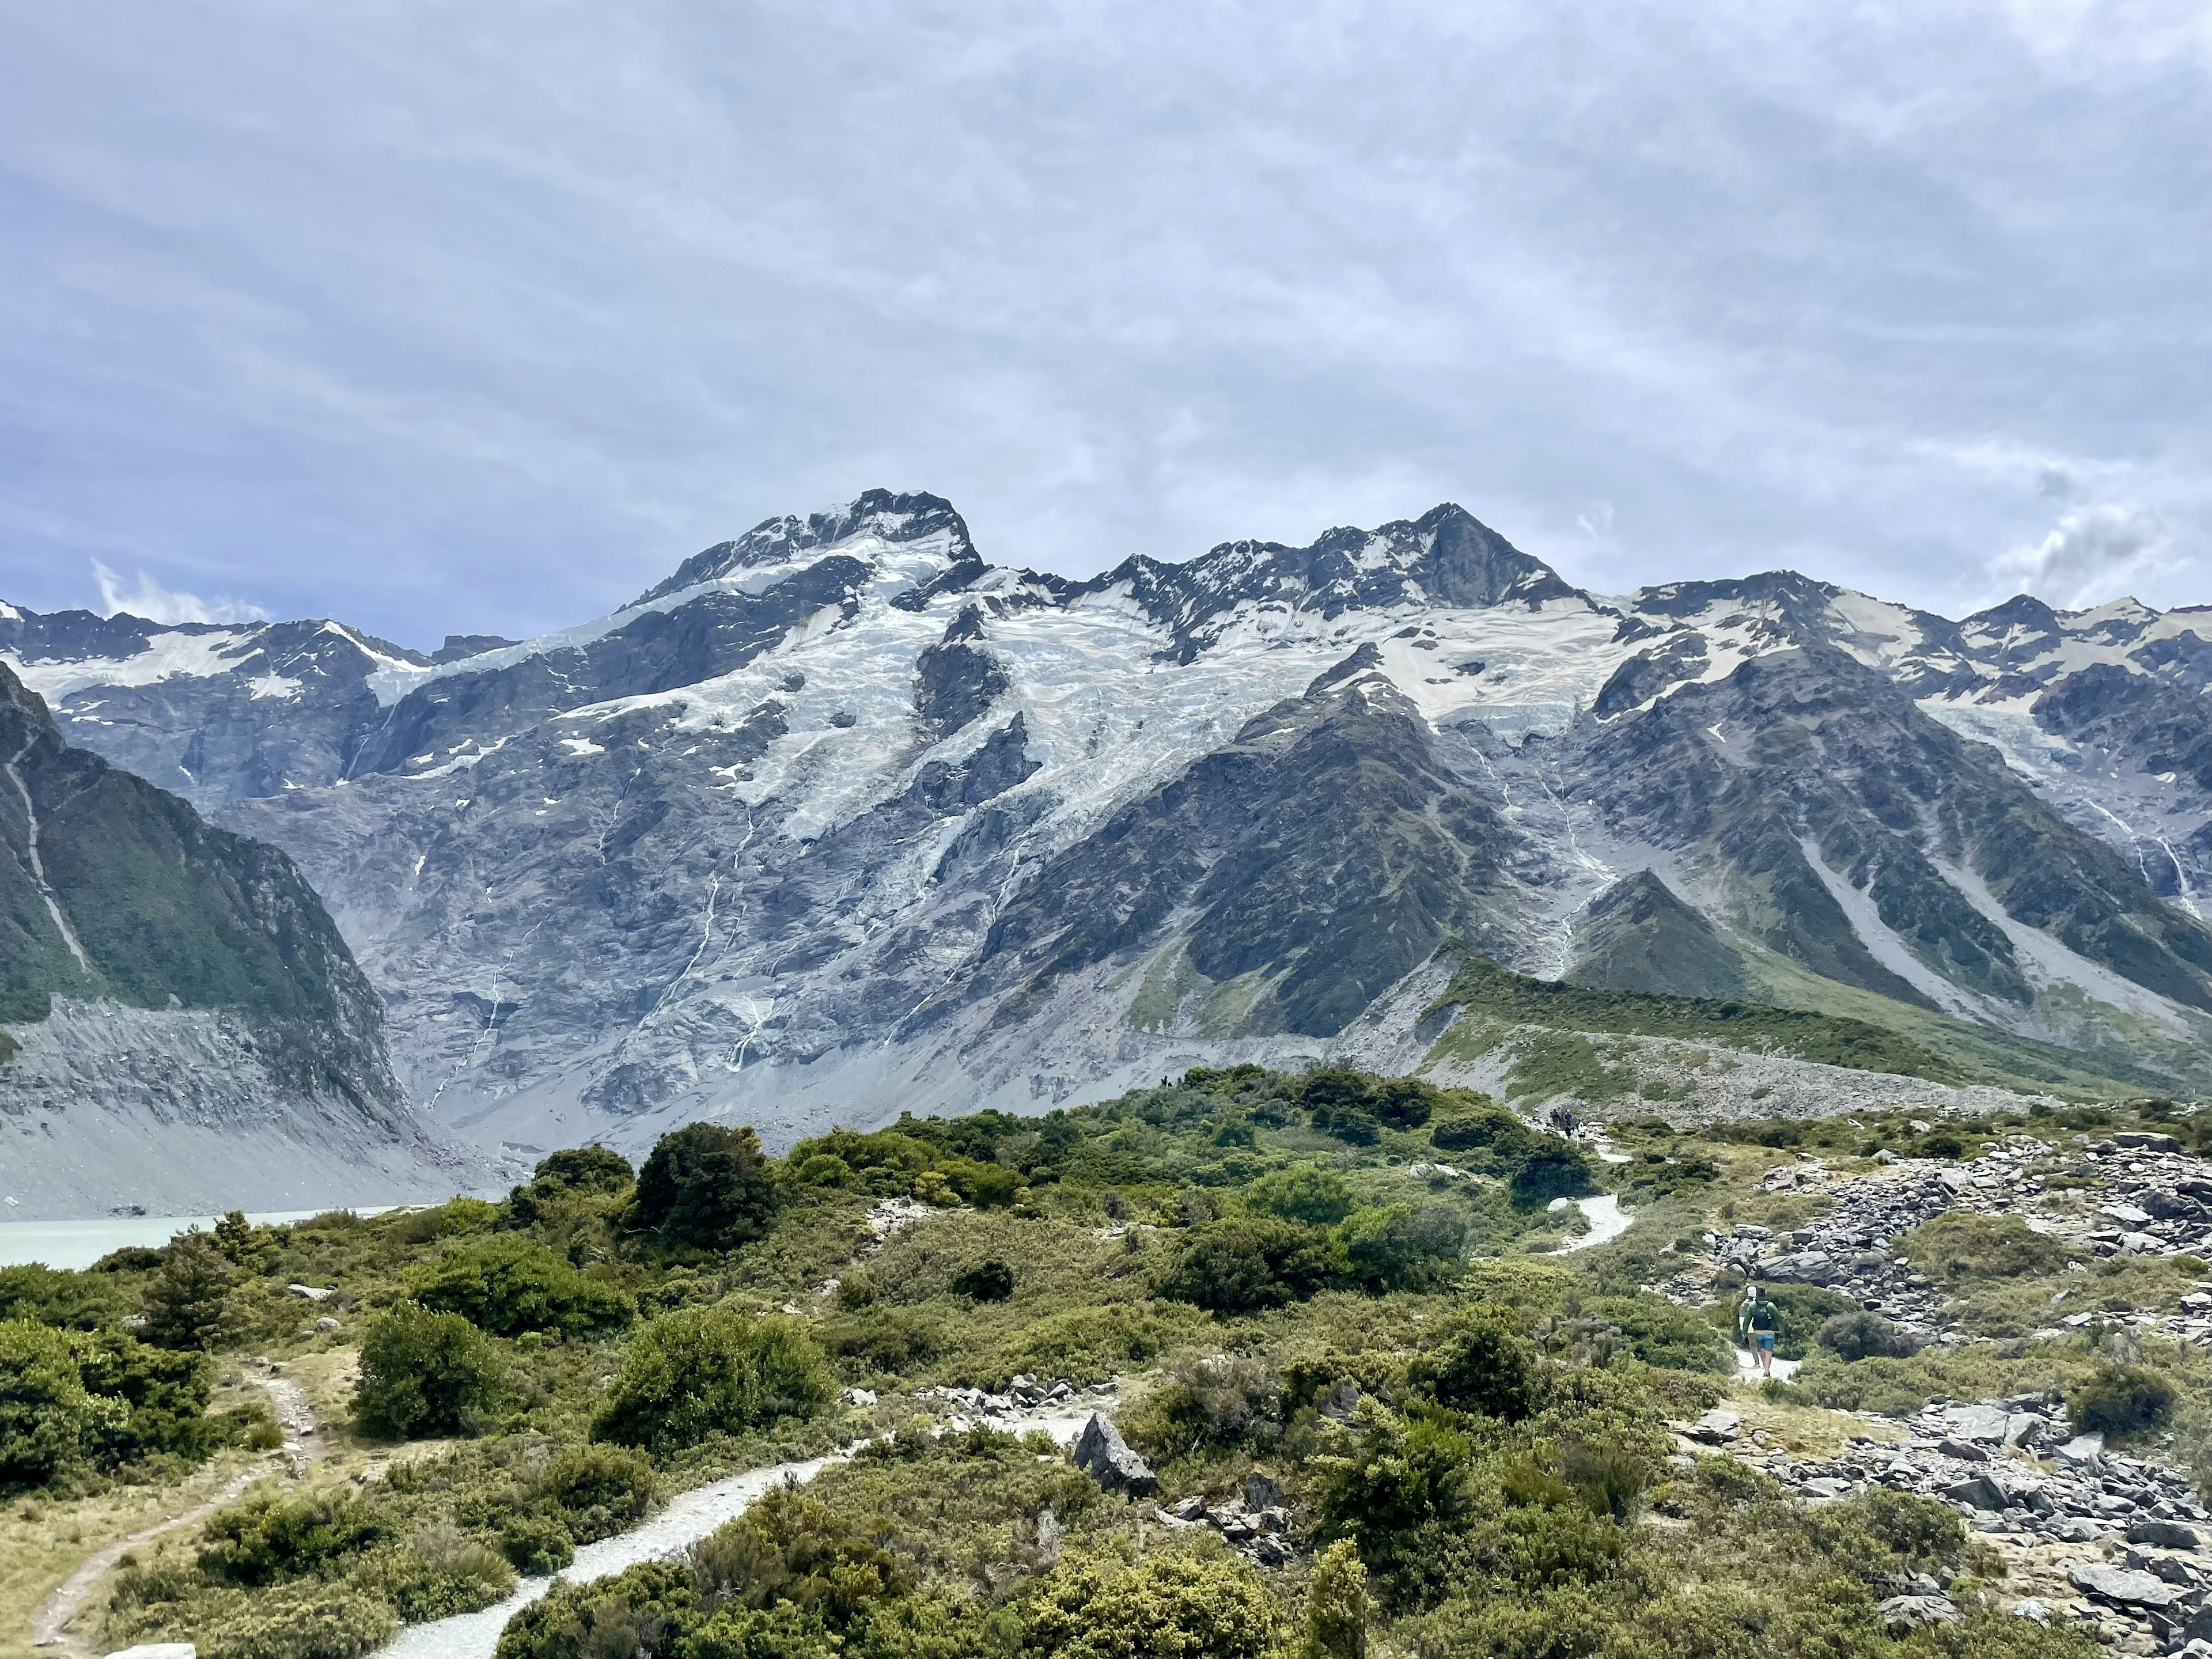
(479, 318)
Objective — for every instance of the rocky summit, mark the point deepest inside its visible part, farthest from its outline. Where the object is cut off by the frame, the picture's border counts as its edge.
(844, 817)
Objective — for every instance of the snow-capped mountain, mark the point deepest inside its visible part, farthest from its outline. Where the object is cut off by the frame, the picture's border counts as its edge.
(842, 818)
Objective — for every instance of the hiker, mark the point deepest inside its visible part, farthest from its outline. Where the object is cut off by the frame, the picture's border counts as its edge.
(1759, 1322)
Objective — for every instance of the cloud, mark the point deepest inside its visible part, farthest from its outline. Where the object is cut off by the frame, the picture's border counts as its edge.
(155, 603)
(482, 321)
(2091, 555)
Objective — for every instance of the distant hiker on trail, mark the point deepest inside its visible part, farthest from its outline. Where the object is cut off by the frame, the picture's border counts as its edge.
(1759, 1322)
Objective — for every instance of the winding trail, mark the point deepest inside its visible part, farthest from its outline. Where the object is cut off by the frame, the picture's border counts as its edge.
(689, 1517)
(52, 1627)
(1607, 1221)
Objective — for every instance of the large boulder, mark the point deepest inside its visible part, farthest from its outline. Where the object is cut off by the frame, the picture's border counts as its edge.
(1804, 1267)
(2124, 1585)
(1101, 1453)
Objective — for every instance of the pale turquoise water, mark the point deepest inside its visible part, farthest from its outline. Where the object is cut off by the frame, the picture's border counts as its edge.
(80, 1243)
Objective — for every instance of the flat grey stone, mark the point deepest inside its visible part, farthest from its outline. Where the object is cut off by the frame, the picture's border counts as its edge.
(1981, 1492)
(1984, 1423)
(1911, 1611)
(2082, 1448)
(2124, 1585)
(157, 1650)
(2167, 1534)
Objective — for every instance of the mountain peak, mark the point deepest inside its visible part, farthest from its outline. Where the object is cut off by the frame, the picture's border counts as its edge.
(892, 518)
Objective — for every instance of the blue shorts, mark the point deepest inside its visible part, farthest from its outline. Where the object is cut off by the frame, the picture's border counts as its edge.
(1764, 1340)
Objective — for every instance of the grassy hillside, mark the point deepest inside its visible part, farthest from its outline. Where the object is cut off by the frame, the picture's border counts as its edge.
(1486, 991)
(1332, 1282)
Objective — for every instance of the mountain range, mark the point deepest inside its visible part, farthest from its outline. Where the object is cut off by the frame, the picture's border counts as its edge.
(842, 819)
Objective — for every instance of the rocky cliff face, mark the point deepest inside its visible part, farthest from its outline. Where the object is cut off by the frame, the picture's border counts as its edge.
(842, 818)
(162, 980)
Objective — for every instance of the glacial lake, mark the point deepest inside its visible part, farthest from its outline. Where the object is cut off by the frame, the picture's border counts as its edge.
(80, 1243)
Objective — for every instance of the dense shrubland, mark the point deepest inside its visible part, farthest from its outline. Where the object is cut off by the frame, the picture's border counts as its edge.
(1332, 1280)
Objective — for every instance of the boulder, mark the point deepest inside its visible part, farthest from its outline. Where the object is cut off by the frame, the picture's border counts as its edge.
(2146, 1141)
(1716, 1428)
(1981, 1492)
(2025, 1428)
(157, 1650)
(1101, 1453)
(1805, 1267)
(1981, 1424)
(312, 1294)
(1904, 1613)
(2123, 1585)
(1262, 1491)
(2083, 1450)
(2166, 1534)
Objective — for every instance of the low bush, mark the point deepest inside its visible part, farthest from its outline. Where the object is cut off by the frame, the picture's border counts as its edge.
(1240, 1266)
(1865, 1335)
(990, 1280)
(700, 1372)
(424, 1373)
(2121, 1400)
(1480, 1364)
(601, 1489)
(269, 1538)
(536, 1545)
(1960, 1246)
(507, 1286)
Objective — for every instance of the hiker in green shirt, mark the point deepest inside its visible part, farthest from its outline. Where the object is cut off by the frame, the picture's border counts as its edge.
(1758, 1322)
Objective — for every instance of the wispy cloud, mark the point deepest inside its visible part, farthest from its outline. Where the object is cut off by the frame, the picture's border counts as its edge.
(155, 603)
(479, 321)
(2091, 555)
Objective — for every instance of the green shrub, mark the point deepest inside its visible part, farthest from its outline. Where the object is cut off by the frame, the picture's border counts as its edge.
(47, 1420)
(441, 1572)
(1489, 1126)
(1660, 1332)
(887, 1339)
(1213, 1401)
(601, 1489)
(1178, 1606)
(581, 1169)
(507, 1286)
(1242, 1265)
(1482, 1364)
(1401, 1247)
(535, 1545)
(1864, 1335)
(1400, 1491)
(2120, 1400)
(163, 1398)
(700, 1372)
(706, 1187)
(1553, 1168)
(990, 1280)
(1960, 1246)
(304, 1619)
(1313, 1196)
(249, 1249)
(424, 1373)
(74, 1301)
(269, 1538)
(188, 1305)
